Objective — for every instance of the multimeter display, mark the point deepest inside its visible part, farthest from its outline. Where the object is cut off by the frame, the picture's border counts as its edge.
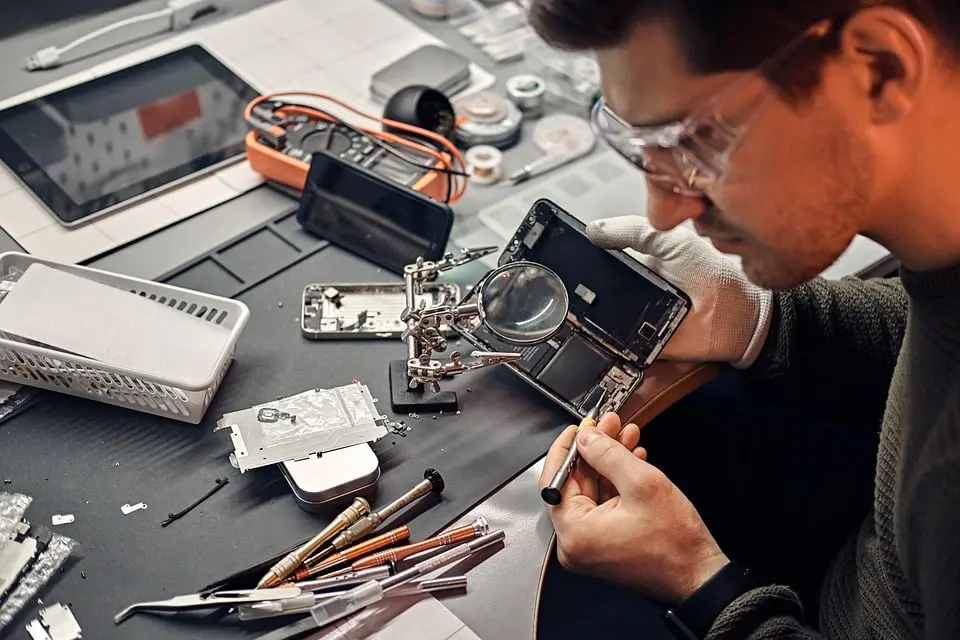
(307, 137)
(372, 216)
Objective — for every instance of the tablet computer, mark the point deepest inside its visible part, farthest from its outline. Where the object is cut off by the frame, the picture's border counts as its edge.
(90, 149)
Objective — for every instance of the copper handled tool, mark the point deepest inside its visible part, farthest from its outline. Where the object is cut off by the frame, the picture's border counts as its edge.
(377, 543)
(478, 528)
(432, 483)
(294, 559)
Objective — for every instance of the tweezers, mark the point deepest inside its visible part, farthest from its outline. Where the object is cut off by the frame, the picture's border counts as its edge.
(197, 601)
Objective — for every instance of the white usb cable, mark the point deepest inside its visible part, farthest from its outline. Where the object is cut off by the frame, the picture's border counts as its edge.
(178, 14)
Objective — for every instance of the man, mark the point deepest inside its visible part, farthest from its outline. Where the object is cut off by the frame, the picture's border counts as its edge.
(782, 130)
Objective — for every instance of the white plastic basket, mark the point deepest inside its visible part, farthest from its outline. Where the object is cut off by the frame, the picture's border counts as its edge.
(37, 366)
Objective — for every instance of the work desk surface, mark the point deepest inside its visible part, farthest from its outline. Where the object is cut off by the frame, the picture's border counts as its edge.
(86, 454)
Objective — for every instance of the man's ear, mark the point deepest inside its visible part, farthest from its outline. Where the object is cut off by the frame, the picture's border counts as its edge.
(890, 55)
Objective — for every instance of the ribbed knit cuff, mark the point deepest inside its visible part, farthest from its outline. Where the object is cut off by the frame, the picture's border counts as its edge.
(753, 609)
(765, 307)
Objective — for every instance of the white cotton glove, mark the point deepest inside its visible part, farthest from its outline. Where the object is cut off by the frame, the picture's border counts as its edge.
(730, 316)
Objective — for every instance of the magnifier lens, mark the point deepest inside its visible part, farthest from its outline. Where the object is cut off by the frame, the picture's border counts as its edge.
(523, 303)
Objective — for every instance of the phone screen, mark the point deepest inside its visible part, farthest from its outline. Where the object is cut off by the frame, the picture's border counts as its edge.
(370, 216)
(614, 296)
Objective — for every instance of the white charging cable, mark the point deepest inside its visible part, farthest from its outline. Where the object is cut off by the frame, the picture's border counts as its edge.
(178, 14)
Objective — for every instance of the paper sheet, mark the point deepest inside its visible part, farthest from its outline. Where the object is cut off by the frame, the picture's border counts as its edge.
(80, 316)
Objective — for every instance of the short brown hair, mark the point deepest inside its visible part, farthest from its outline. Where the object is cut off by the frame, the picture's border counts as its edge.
(719, 35)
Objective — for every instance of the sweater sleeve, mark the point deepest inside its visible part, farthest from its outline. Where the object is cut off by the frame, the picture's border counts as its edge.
(767, 613)
(833, 344)
(932, 532)
(936, 525)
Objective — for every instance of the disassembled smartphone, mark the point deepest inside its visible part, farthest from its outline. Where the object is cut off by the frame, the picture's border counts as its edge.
(352, 311)
(621, 314)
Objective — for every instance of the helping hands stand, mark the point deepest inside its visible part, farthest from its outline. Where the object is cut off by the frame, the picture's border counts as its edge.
(415, 382)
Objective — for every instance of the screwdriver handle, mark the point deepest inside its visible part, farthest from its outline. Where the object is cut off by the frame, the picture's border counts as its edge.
(350, 554)
(286, 566)
(551, 493)
(454, 536)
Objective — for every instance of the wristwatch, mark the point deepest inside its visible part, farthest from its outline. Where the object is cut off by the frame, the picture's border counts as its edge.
(695, 615)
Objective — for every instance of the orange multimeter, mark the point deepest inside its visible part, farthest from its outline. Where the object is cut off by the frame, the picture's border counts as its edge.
(285, 135)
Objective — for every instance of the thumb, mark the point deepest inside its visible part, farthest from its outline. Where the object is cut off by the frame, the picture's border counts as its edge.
(618, 233)
(632, 232)
(609, 458)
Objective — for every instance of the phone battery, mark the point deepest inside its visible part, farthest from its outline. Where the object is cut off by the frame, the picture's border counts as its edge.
(576, 368)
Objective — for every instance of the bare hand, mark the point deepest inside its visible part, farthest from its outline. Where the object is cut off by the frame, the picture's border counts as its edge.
(622, 520)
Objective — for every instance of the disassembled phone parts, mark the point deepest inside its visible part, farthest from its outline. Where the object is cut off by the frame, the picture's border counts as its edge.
(521, 303)
(294, 428)
(620, 315)
(353, 311)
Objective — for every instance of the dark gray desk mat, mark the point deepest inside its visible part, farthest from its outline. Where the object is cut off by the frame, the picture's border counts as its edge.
(80, 457)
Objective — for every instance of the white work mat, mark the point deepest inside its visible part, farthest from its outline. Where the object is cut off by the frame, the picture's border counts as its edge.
(325, 46)
(411, 618)
(82, 317)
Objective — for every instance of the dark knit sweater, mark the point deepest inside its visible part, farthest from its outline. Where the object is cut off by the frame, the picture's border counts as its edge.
(888, 349)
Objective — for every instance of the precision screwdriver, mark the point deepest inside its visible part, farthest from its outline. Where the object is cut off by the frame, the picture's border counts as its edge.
(343, 580)
(432, 483)
(294, 559)
(551, 493)
(372, 545)
(478, 528)
(341, 606)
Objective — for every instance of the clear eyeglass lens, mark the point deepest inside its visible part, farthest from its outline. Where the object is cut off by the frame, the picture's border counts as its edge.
(671, 168)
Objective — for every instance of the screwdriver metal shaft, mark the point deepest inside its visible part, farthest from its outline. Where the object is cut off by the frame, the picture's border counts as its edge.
(551, 493)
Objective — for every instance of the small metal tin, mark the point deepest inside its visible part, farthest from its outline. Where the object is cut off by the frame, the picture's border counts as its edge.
(319, 482)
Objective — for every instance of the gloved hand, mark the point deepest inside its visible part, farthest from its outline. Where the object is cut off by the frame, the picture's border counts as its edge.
(730, 316)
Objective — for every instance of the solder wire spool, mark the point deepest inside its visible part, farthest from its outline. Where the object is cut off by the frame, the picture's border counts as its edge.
(527, 92)
(486, 118)
(485, 164)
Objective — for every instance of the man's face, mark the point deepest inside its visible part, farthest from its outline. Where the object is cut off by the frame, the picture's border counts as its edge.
(799, 185)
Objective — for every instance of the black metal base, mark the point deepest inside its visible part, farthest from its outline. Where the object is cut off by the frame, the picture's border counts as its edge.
(403, 399)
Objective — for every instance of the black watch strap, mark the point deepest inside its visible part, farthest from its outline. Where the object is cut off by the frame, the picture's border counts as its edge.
(695, 615)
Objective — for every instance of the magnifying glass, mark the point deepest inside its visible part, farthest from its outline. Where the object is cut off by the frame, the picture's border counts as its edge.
(523, 303)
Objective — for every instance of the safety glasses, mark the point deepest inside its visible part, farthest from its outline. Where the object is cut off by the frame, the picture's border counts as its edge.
(691, 157)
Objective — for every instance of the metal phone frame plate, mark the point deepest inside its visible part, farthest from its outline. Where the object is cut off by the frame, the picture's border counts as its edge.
(384, 324)
(296, 427)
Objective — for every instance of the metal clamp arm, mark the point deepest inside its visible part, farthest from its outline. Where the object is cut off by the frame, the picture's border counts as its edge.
(429, 372)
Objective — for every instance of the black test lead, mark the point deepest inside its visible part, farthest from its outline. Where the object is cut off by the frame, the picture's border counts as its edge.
(173, 517)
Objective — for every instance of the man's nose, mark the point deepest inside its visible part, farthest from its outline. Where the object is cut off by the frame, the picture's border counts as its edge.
(667, 210)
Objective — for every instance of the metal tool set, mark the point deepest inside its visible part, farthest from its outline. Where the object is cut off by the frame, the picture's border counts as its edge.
(368, 571)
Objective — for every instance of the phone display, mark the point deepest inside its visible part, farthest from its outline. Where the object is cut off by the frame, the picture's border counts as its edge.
(371, 216)
(621, 314)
